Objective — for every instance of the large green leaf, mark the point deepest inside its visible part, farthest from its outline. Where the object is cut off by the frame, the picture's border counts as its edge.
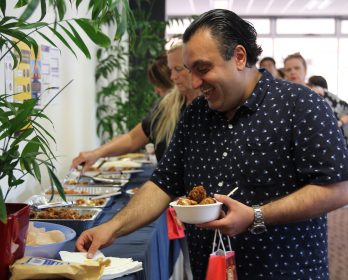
(61, 9)
(5, 19)
(34, 46)
(48, 40)
(20, 3)
(3, 214)
(57, 183)
(25, 108)
(27, 166)
(77, 40)
(23, 136)
(113, 4)
(31, 25)
(62, 39)
(17, 34)
(39, 125)
(29, 10)
(37, 170)
(94, 34)
(43, 9)
(31, 147)
(122, 23)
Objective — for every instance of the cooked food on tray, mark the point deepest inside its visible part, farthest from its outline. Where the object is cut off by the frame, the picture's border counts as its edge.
(66, 191)
(134, 155)
(93, 169)
(119, 163)
(54, 213)
(198, 196)
(39, 236)
(88, 202)
(135, 190)
(74, 182)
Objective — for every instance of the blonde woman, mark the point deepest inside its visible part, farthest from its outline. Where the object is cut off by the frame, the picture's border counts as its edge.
(158, 127)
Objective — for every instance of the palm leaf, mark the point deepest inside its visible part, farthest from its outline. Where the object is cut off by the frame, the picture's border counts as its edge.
(62, 39)
(29, 10)
(94, 34)
(77, 40)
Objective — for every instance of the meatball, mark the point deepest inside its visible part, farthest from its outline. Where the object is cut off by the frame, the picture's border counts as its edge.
(186, 201)
(197, 194)
(207, 200)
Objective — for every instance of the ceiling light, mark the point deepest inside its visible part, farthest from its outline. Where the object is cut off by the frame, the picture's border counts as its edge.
(324, 4)
(220, 4)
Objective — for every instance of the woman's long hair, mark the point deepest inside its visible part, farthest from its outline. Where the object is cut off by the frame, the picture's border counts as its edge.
(167, 112)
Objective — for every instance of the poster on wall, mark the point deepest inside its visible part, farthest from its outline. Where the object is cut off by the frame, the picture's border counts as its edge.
(21, 75)
(49, 74)
(36, 74)
(9, 77)
(54, 74)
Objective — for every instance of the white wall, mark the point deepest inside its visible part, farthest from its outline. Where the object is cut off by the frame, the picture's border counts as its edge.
(74, 117)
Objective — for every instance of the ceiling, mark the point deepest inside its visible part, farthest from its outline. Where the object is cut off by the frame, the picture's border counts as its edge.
(264, 8)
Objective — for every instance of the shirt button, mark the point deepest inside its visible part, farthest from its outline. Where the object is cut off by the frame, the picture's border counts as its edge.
(224, 154)
(220, 184)
(230, 126)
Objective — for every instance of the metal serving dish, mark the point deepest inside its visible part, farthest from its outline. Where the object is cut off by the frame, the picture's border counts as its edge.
(107, 202)
(92, 183)
(78, 225)
(92, 191)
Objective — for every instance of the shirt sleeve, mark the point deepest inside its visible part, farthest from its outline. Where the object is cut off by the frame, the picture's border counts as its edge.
(318, 148)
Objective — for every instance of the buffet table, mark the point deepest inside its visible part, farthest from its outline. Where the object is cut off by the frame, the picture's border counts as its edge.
(149, 245)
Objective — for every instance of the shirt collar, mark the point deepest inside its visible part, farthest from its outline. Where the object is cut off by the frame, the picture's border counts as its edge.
(255, 98)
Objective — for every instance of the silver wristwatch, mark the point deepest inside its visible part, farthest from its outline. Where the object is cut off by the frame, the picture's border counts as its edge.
(259, 225)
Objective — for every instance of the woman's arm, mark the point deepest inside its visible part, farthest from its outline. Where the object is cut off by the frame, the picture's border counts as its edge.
(124, 144)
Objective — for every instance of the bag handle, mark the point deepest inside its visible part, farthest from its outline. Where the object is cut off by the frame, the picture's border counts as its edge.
(221, 242)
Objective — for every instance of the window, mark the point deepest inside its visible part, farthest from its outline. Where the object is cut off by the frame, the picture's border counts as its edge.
(305, 26)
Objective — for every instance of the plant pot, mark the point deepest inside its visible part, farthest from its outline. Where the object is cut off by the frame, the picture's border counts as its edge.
(13, 236)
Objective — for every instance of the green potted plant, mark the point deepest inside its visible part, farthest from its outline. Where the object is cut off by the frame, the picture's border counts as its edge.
(29, 151)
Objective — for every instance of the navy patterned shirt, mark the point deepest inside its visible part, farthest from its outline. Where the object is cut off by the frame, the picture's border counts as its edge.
(282, 138)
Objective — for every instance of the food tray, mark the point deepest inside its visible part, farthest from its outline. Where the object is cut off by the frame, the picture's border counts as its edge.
(57, 198)
(92, 191)
(91, 183)
(77, 225)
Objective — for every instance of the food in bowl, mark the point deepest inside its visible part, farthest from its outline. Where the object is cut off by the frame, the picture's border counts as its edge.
(50, 251)
(197, 196)
(39, 236)
(54, 213)
(74, 183)
(205, 211)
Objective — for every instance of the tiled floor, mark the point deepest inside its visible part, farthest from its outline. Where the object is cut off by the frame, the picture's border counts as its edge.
(338, 244)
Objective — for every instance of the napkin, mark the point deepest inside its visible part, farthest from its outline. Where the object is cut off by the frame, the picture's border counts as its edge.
(118, 268)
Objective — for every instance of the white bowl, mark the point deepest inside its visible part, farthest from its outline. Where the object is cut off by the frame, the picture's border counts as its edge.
(197, 214)
(50, 251)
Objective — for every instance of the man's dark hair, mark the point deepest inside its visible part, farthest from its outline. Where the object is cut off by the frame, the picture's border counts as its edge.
(318, 81)
(268, 58)
(229, 30)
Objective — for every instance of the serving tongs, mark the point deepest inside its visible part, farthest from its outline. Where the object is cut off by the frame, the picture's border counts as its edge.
(41, 205)
(98, 179)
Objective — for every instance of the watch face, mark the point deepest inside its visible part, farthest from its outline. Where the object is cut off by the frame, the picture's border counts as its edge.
(258, 229)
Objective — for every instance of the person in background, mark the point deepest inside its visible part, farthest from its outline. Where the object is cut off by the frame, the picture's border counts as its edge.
(295, 68)
(339, 106)
(158, 127)
(245, 131)
(158, 74)
(295, 71)
(270, 64)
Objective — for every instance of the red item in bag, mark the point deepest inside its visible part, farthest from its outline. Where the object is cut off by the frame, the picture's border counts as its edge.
(175, 226)
(222, 264)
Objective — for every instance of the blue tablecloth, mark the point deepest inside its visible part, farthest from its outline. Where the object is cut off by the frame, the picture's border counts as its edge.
(149, 245)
